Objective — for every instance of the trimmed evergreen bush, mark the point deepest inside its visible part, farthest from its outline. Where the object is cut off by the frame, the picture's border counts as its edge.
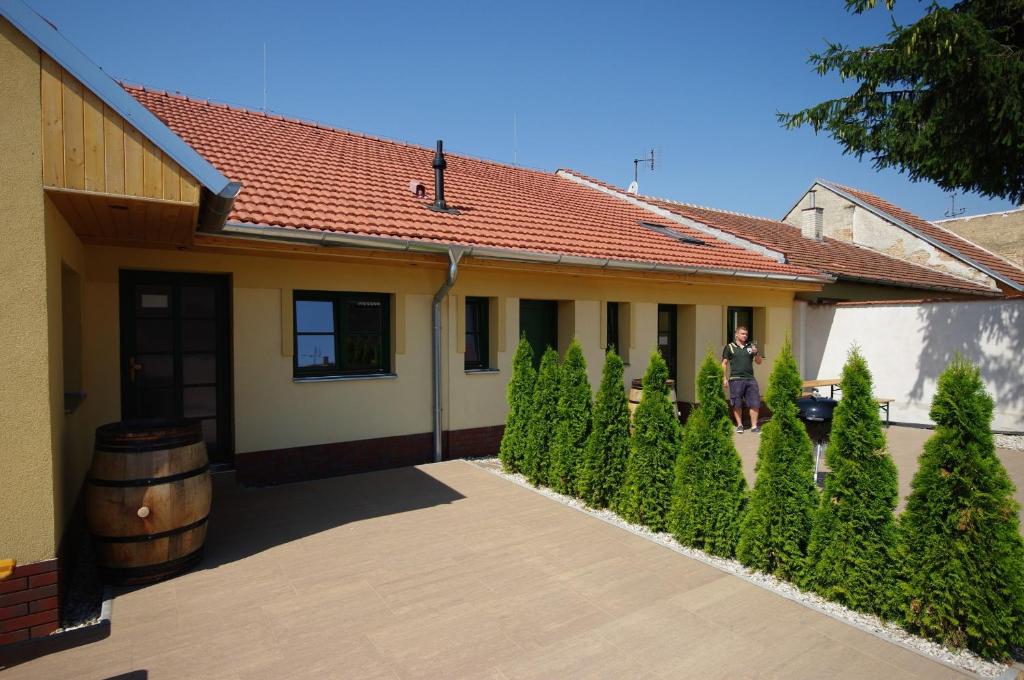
(572, 424)
(543, 411)
(655, 444)
(777, 525)
(851, 557)
(520, 401)
(604, 460)
(963, 557)
(710, 492)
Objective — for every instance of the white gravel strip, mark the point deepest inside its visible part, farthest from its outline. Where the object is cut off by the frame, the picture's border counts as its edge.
(960, 660)
(1014, 442)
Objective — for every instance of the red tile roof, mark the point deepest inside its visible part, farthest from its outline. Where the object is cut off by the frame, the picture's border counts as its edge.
(974, 254)
(841, 259)
(305, 176)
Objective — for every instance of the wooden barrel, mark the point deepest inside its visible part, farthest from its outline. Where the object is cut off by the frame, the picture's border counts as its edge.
(148, 499)
(636, 393)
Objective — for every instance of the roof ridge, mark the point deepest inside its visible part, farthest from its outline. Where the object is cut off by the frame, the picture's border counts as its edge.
(321, 126)
(712, 209)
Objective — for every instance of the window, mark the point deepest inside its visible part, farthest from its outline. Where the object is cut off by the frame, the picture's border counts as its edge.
(538, 321)
(612, 339)
(341, 334)
(736, 317)
(477, 333)
(668, 336)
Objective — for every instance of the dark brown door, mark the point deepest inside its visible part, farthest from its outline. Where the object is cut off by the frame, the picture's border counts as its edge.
(175, 352)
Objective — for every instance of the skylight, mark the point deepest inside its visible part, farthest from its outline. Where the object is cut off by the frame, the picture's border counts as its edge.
(671, 233)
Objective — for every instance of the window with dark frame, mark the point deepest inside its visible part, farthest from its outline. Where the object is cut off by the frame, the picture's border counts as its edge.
(739, 316)
(668, 336)
(477, 333)
(612, 339)
(341, 334)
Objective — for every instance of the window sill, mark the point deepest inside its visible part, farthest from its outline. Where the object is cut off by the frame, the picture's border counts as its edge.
(344, 378)
(470, 371)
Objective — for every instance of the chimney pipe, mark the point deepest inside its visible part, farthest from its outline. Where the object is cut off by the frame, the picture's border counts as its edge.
(439, 165)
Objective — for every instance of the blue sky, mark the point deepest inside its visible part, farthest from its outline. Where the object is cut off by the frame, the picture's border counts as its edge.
(591, 85)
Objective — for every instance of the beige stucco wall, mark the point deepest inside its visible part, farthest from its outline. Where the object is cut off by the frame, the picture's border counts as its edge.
(844, 220)
(271, 410)
(26, 425)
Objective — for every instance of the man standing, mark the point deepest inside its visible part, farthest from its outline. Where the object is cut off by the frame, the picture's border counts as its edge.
(738, 359)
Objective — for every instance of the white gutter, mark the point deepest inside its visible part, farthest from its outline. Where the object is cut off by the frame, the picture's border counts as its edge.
(330, 238)
(718, 234)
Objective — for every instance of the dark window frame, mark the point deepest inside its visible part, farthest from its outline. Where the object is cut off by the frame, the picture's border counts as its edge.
(730, 325)
(339, 299)
(612, 338)
(483, 333)
(672, 349)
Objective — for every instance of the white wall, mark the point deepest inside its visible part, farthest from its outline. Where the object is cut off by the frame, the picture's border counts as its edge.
(908, 345)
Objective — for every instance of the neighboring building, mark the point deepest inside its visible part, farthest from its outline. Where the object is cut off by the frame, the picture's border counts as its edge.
(1000, 232)
(278, 280)
(863, 219)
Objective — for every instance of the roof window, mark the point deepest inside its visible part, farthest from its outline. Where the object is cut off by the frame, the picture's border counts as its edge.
(671, 233)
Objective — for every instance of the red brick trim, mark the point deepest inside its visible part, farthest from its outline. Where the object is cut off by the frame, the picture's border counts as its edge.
(29, 605)
(279, 466)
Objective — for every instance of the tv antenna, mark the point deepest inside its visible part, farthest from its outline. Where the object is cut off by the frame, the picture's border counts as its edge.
(634, 187)
(953, 210)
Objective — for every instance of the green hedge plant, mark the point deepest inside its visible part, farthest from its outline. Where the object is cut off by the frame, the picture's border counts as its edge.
(710, 492)
(543, 411)
(851, 558)
(963, 557)
(654, 446)
(777, 525)
(520, 401)
(604, 460)
(572, 424)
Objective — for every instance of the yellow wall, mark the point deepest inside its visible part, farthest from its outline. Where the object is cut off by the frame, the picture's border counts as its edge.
(26, 467)
(271, 410)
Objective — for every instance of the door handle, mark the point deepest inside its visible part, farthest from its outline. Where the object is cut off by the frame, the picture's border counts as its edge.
(133, 368)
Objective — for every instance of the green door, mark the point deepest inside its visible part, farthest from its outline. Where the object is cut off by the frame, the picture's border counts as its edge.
(538, 319)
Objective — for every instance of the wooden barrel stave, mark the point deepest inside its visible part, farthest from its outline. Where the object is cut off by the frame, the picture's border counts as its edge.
(148, 499)
(636, 393)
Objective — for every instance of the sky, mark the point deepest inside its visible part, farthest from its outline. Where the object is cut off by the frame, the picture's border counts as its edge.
(582, 85)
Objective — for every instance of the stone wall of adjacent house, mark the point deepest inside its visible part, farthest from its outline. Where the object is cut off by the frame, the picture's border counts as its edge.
(907, 345)
(846, 221)
(1002, 233)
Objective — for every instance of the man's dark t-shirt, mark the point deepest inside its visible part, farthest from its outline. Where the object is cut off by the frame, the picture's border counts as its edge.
(741, 362)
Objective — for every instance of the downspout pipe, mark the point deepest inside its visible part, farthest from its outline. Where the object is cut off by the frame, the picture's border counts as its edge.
(454, 256)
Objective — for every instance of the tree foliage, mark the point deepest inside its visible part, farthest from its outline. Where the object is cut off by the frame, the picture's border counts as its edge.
(572, 424)
(777, 525)
(710, 492)
(520, 401)
(604, 461)
(852, 552)
(963, 553)
(655, 444)
(942, 100)
(544, 410)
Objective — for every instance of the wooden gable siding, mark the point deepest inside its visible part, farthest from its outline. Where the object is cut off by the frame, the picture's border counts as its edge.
(87, 146)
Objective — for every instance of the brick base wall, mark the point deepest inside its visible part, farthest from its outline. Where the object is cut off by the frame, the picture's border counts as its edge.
(280, 466)
(29, 602)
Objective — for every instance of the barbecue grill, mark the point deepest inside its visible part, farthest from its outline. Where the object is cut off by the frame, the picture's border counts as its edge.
(816, 412)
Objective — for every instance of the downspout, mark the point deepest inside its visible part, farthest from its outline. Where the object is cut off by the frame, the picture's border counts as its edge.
(454, 255)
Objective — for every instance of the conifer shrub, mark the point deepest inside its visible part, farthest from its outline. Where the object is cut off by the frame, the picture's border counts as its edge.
(654, 446)
(709, 491)
(604, 459)
(520, 401)
(543, 411)
(777, 525)
(851, 557)
(572, 423)
(963, 557)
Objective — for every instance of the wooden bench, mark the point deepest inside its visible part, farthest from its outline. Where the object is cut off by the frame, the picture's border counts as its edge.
(883, 403)
(831, 383)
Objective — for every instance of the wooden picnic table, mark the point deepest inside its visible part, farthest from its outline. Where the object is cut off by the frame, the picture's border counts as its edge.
(831, 383)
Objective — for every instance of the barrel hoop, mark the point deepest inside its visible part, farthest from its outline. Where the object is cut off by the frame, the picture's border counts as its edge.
(150, 481)
(152, 537)
(179, 563)
(148, 446)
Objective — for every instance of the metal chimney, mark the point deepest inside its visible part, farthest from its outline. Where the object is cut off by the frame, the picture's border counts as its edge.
(439, 165)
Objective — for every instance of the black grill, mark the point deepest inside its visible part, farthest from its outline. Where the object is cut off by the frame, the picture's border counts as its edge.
(816, 412)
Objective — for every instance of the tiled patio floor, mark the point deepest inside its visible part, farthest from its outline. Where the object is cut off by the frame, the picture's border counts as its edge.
(448, 571)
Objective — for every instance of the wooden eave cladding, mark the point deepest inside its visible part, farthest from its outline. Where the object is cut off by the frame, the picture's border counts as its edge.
(111, 183)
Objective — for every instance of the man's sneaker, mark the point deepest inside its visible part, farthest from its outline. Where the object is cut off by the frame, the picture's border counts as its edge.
(739, 429)
(756, 430)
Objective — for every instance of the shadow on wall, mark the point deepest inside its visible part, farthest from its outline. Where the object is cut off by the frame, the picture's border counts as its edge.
(990, 334)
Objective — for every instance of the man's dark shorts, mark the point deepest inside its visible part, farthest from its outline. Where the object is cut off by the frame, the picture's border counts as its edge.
(744, 391)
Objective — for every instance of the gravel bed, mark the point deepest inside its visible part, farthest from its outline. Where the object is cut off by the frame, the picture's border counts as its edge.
(83, 603)
(889, 632)
(1014, 442)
